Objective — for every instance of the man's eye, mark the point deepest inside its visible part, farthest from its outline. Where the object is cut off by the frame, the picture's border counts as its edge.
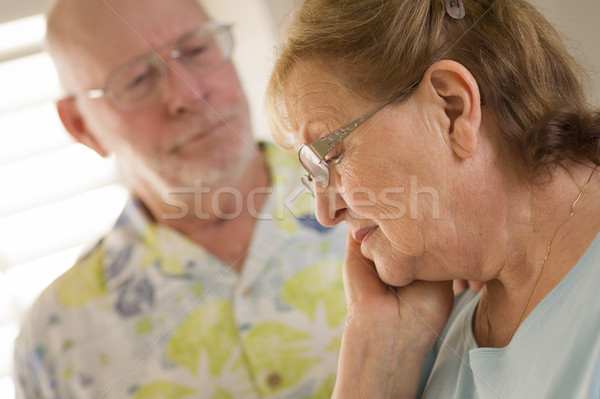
(195, 51)
(140, 80)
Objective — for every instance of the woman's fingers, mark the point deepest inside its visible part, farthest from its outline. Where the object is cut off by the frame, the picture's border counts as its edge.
(461, 285)
(388, 330)
(361, 281)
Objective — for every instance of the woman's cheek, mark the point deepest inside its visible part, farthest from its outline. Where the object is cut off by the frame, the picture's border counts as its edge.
(359, 192)
(391, 203)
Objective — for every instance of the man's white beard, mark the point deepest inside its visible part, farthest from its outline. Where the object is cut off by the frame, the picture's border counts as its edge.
(213, 173)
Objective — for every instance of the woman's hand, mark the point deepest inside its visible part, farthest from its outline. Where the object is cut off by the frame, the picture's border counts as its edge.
(461, 285)
(388, 331)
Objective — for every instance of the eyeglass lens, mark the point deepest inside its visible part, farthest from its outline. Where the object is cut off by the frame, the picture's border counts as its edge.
(140, 81)
(316, 167)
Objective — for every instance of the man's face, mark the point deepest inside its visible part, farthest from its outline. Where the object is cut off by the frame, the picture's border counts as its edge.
(198, 129)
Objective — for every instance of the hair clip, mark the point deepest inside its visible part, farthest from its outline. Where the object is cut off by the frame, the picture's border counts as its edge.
(455, 8)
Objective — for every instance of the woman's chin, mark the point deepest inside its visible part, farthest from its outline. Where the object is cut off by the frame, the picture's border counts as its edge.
(392, 277)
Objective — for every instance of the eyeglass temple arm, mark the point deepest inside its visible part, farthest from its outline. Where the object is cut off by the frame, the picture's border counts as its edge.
(326, 143)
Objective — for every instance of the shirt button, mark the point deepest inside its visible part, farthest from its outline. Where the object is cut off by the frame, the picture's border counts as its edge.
(274, 379)
(247, 291)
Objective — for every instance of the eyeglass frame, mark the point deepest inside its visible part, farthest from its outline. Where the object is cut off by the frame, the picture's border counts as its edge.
(174, 53)
(324, 145)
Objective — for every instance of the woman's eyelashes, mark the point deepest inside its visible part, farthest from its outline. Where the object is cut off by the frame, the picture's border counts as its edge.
(336, 154)
(333, 156)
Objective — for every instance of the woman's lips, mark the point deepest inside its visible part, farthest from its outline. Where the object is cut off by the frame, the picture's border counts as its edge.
(361, 236)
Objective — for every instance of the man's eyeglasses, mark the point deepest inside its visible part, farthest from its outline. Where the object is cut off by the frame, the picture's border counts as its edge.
(314, 156)
(141, 81)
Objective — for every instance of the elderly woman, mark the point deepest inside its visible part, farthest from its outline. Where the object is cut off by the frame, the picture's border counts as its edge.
(456, 143)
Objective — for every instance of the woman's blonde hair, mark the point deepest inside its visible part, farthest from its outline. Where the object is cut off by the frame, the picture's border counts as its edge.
(378, 48)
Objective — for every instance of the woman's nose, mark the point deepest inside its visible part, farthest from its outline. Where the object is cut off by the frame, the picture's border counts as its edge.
(330, 206)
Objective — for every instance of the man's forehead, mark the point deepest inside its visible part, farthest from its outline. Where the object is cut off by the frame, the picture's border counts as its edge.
(130, 25)
(88, 39)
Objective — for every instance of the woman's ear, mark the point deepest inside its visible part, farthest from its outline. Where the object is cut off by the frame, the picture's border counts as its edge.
(455, 90)
(74, 123)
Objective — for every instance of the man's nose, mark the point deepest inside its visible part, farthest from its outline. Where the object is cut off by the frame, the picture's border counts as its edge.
(185, 90)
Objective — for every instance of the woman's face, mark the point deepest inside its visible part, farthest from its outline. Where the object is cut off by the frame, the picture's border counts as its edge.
(391, 180)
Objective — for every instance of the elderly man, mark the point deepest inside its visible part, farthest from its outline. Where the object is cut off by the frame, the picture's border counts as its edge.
(209, 285)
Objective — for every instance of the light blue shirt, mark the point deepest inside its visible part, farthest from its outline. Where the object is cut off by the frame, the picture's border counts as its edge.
(554, 354)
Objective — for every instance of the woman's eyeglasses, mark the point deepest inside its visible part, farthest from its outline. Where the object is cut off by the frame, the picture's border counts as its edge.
(313, 156)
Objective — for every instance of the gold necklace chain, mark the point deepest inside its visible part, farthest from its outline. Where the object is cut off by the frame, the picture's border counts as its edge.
(542, 266)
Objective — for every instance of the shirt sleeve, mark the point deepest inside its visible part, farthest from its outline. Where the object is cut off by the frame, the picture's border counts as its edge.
(30, 374)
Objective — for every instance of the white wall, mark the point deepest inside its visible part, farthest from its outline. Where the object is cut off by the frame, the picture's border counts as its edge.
(254, 28)
(577, 20)
(13, 9)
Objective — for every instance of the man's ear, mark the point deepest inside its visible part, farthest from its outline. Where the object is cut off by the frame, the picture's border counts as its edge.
(454, 88)
(75, 124)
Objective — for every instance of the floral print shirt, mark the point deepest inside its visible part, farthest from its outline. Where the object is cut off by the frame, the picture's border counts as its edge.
(149, 314)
